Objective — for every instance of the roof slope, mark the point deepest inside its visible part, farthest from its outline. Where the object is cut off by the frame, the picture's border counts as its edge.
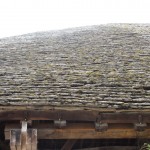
(105, 66)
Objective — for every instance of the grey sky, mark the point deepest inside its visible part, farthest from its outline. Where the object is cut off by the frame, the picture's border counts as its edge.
(25, 16)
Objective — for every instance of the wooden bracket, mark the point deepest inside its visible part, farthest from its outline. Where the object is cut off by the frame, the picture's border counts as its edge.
(140, 126)
(99, 125)
(23, 139)
(60, 123)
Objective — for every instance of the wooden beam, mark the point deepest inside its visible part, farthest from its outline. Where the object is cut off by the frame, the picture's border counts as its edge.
(18, 142)
(111, 148)
(23, 139)
(81, 115)
(24, 136)
(70, 108)
(12, 139)
(15, 139)
(69, 144)
(84, 131)
(48, 107)
(34, 139)
(76, 115)
(29, 140)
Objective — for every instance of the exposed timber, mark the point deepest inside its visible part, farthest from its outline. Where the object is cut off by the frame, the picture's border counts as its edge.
(112, 148)
(83, 131)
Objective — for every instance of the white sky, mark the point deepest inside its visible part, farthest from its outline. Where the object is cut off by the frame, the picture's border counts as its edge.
(25, 16)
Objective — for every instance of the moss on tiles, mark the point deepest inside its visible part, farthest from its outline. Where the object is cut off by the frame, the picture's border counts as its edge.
(78, 67)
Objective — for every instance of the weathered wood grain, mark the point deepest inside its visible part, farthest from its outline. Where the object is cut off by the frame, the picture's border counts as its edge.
(85, 131)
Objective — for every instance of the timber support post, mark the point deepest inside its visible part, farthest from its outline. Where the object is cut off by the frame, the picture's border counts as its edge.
(24, 138)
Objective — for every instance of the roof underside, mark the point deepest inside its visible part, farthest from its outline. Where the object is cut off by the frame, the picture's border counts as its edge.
(105, 66)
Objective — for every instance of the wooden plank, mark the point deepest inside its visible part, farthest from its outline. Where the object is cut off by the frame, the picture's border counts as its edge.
(69, 144)
(12, 140)
(70, 108)
(34, 139)
(18, 140)
(111, 148)
(81, 115)
(46, 107)
(122, 117)
(24, 136)
(29, 140)
(85, 131)
(15, 141)
(76, 115)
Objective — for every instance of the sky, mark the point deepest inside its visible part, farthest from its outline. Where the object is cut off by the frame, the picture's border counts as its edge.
(25, 16)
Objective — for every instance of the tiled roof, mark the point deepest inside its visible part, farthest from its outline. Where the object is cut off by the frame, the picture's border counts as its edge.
(105, 66)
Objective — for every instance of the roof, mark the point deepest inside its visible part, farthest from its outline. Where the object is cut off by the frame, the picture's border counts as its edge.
(106, 66)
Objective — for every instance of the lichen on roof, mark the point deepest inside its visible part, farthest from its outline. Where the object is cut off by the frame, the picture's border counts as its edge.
(106, 66)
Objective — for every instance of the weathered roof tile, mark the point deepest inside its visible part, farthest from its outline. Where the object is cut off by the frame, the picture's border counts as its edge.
(105, 66)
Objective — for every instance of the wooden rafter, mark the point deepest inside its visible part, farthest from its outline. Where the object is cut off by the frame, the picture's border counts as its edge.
(69, 144)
